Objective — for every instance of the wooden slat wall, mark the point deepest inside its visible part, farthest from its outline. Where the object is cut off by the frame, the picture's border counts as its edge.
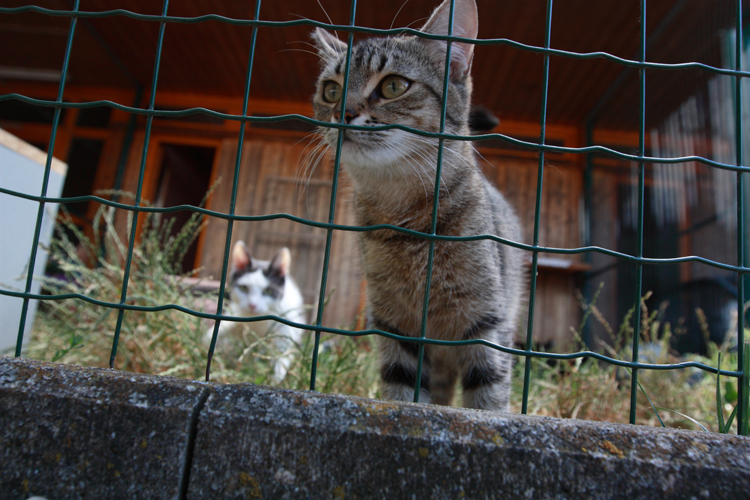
(561, 195)
(268, 185)
(604, 234)
(556, 308)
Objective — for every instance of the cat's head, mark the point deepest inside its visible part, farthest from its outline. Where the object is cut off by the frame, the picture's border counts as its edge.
(257, 286)
(396, 80)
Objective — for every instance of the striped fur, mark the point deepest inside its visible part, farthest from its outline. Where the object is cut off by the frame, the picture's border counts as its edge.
(476, 286)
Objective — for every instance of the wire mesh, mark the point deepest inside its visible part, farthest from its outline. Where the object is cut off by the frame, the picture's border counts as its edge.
(742, 373)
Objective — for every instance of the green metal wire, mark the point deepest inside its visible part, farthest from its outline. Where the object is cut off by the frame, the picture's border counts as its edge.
(537, 216)
(340, 227)
(742, 386)
(743, 368)
(45, 183)
(373, 31)
(139, 189)
(435, 205)
(233, 198)
(436, 135)
(641, 202)
(332, 206)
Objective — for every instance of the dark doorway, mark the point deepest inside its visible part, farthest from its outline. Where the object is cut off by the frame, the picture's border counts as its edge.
(184, 180)
(83, 161)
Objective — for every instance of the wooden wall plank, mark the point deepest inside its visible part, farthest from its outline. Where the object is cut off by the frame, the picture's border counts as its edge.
(268, 185)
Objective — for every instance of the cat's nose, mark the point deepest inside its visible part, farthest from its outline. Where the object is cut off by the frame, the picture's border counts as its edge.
(349, 115)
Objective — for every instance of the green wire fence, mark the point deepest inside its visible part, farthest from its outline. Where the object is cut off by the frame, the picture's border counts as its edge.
(742, 373)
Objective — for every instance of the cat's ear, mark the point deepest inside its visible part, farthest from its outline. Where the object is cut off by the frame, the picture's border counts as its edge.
(241, 258)
(280, 263)
(328, 45)
(482, 120)
(465, 25)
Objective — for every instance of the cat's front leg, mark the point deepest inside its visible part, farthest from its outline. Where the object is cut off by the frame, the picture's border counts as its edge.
(398, 371)
(286, 338)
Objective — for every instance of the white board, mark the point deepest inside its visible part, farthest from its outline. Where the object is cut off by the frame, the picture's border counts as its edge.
(22, 170)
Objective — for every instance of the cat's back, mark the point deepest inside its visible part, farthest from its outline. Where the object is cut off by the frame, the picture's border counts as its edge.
(506, 225)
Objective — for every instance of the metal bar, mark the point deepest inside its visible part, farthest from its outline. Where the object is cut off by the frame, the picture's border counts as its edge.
(639, 243)
(378, 227)
(537, 218)
(45, 182)
(435, 205)
(137, 202)
(332, 206)
(742, 384)
(437, 135)
(233, 199)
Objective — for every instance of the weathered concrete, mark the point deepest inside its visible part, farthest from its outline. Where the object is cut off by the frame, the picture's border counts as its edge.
(256, 442)
(70, 433)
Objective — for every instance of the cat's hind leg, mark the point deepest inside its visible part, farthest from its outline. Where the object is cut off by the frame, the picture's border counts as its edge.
(486, 378)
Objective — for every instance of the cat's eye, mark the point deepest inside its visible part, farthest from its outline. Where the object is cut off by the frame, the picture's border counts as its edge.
(268, 292)
(243, 288)
(331, 92)
(394, 86)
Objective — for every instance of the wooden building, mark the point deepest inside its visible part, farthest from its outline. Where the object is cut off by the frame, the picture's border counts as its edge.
(204, 64)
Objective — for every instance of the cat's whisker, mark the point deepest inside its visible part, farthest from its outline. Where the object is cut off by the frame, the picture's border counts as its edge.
(309, 164)
(427, 159)
(313, 161)
(327, 16)
(474, 165)
(298, 50)
(397, 13)
(304, 155)
(416, 166)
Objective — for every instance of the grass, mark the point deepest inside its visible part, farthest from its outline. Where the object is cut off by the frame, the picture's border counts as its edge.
(172, 343)
(591, 390)
(167, 342)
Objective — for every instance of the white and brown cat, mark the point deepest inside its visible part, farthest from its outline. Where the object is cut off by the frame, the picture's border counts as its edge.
(476, 285)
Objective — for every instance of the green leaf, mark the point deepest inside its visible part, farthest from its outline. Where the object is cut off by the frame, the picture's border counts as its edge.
(719, 410)
(725, 430)
(684, 416)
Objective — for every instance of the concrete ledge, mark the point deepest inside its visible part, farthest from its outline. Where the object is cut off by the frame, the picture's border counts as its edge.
(68, 432)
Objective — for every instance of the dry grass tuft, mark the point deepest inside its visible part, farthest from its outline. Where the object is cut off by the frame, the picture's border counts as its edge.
(171, 342)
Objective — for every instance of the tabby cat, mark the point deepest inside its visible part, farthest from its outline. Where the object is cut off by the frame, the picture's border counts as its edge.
(476, 286)
(260, 288)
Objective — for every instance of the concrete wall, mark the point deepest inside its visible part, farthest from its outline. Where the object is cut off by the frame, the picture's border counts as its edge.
(70, 433)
